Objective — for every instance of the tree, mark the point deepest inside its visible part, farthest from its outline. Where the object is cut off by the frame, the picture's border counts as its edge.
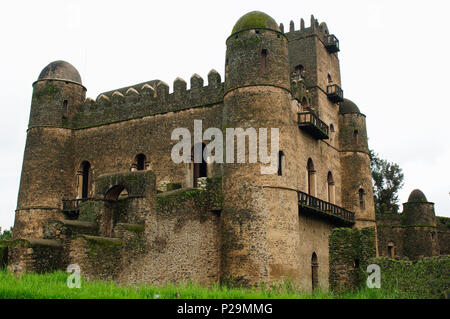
(387, 179)
(6, 234)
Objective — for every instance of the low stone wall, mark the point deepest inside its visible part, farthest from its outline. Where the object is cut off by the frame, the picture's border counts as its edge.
(425, 278)
(98, 257)
(34, 255)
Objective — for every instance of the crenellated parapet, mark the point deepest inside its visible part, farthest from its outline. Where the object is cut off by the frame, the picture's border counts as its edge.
(315, 28)
(149, 98)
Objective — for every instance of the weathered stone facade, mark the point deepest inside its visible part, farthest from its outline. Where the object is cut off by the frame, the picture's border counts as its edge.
(140, 217)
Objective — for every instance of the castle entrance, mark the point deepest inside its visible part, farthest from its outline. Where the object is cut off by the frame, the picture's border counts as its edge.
(110, 215)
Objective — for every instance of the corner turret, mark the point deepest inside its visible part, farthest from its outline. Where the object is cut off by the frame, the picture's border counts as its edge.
(58, 94)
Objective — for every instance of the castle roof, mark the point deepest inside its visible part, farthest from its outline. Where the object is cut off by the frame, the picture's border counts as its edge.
(348, 107)
(60, 70)
(417, 196)
(255, 20)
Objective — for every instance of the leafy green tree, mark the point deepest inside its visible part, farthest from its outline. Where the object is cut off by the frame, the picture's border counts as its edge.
(6, 234)
(387, 179)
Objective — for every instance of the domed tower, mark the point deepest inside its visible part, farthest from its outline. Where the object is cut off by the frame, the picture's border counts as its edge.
(357, 190)
(260, 213)
(47, 169)
(420, 238)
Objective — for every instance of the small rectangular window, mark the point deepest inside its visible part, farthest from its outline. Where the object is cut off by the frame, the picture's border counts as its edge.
(263, 61)
(65, 109)
(280, 163)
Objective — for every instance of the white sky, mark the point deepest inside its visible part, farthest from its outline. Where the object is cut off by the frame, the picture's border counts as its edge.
(394, 65)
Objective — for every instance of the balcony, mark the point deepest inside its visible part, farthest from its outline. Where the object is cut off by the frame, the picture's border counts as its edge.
(334, 93)
(311, 205)
(310, 123)
(331, 43)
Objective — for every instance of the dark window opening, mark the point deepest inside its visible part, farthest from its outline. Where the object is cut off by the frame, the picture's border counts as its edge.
(140, 162)
(330, 80)
(85, 182)
(331, 128)
(356, 263)
(65, 109)
(280, 163)
(330, 188)
(356, 137)
(311, 177)
(362, 203)
(263, 61)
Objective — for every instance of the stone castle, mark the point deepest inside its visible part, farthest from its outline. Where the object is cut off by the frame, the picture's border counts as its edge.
(99, 188)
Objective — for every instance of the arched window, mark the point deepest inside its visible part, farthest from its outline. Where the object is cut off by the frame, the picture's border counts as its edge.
(140, 162)
(314, 271)
(311, 178)
(263, 61)
(304, 101)
(355, 137)
(85, 167)
(280, 163)
(330, 79)
(200, 169)
(362, 200)
(391, 249)
(298, 71)
(331, 134)
(330, 183)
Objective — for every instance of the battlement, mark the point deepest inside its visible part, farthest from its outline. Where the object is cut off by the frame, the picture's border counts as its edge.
(315, 28)
(149, 98)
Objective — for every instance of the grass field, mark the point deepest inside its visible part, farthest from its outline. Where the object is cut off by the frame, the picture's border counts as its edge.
(53, 286)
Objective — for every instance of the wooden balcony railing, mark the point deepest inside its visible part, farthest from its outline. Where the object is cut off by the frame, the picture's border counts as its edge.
(335, 93)
(331, 43)
(309, 122)
(315, 205)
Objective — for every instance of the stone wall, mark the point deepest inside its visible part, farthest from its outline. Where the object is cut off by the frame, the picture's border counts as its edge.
(350, 252)
(443, 230)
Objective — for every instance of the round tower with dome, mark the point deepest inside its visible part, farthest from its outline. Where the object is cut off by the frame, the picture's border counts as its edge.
(260, 241)
(58, 93)
(357, 191)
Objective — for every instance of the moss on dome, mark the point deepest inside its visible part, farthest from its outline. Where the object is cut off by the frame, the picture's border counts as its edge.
(255, 20)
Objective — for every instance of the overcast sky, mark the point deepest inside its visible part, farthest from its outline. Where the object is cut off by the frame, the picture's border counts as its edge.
(394, 66)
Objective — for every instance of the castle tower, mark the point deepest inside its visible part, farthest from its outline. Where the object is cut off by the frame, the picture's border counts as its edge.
(420, 239)
(47, 170)
(357, 190)
(260, 213)
(313, 55)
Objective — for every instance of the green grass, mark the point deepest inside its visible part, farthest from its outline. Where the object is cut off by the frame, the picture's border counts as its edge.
(53, 286)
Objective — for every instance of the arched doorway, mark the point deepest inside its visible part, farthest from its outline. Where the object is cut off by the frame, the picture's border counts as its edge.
(84, 168)
(201, 168)
(108, 220)
(314, 271)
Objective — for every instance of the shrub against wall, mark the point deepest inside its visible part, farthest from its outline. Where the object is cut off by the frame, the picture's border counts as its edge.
(425, 278)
